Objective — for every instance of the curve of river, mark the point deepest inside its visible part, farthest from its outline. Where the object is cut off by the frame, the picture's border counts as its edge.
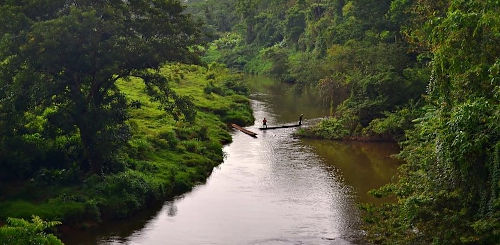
(273, 189)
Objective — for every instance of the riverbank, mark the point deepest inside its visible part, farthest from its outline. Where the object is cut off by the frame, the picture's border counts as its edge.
(307, 133)
(336, 130)
(164, 157)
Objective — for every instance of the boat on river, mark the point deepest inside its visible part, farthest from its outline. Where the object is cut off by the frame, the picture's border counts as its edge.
(282, 126)
(246, 131)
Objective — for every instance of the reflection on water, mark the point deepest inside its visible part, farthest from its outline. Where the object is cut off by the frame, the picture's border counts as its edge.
(286, 102)
(273, 189)
(363, 166)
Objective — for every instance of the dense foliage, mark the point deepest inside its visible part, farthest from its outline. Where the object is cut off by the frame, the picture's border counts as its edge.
(449, 188)
(20, 231)
(425, 73)
(61, 60)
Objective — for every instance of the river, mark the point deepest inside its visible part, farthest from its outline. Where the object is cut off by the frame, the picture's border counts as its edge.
(273, 189)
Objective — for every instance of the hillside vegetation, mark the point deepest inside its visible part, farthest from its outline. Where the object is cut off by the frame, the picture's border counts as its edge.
(105, 108)
(163, 156)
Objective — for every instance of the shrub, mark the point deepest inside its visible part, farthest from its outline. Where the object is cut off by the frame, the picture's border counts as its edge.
(20, 231)
(394, 123)
(331, 128)
(170, 137)
(237, 87)
(139, 147)
(192, 146)
(203, 133)
(211, 88)
(126, 192)
(57, 176)
(182, 183)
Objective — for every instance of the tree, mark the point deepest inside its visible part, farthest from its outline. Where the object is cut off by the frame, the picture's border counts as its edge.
(248, 10)
(67, 55)
(295, 23)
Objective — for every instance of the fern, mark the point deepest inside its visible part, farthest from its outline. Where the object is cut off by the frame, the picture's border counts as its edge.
(20, 231)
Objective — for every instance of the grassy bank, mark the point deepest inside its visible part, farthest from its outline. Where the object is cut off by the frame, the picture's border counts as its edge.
(164, 157)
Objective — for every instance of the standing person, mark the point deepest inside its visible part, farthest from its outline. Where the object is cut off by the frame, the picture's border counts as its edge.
(300, 119)
(264, 122)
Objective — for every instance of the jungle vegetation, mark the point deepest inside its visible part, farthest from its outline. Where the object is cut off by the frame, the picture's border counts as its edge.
(423, 73)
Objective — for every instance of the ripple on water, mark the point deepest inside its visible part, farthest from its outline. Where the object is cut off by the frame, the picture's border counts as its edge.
(302, 241)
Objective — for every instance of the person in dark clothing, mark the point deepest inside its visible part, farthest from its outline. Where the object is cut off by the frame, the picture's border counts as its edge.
(264, 122)
(300, 119)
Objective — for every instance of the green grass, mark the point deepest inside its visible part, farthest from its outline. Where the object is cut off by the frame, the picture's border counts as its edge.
(53, 209)
(164, 157)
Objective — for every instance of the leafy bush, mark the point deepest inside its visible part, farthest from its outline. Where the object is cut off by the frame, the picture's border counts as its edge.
(140, 146)
(211, 88)
(126, 192)
(237, 86)
(192, 146)
(237, 116)
(279, 59)
(331, 128)
(170, 137)
(22, 232)
(57, 176)
(393, 124)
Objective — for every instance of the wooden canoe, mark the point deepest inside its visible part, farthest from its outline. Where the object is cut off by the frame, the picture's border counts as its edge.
(246, 131)
(282, 126)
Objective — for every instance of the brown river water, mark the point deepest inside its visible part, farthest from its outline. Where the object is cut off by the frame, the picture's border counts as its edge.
(273, 189)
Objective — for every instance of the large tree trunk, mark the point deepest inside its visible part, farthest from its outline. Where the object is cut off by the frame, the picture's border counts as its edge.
(92, 155)
(84, 122)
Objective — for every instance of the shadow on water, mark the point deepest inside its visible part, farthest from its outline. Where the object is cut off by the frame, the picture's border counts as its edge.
(364, 166)
(273, 189)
